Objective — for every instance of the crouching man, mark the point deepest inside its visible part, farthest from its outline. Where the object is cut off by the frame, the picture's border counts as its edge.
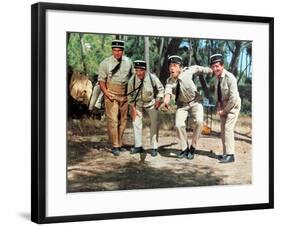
(187, 99)
(145, 92)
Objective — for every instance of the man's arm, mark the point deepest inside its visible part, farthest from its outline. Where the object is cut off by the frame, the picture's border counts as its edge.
(160, 91)
(233, 94)
(105, 91)
(102, 80)
(196, 70)
(130, 88)
(167, 94)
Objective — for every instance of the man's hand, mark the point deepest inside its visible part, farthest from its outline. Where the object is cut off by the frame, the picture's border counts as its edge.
(221, 113)
(166, 102)
(109, 95)
(105, 91)
(134, 113)
(210, 73)
(157, 104)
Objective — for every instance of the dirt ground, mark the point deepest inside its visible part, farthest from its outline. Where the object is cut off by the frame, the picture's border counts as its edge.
(92, 167)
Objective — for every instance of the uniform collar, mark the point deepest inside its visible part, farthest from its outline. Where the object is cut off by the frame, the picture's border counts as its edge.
(222, 74)
(145, 76)
(179, 77)
(115, 60)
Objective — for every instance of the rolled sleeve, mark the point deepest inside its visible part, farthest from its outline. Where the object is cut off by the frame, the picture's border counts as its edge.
(170, 85)
(160, 88)
(196, 69)
(130, 89)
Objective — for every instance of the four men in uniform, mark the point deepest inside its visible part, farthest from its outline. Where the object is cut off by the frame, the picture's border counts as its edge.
(122, 82)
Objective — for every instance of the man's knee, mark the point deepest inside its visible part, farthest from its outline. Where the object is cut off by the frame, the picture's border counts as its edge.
(180, 125)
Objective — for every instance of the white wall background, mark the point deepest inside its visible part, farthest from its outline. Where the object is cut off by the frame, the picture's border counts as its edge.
(15, 111)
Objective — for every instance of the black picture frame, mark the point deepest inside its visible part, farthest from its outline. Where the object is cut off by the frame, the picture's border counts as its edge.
(38, 111)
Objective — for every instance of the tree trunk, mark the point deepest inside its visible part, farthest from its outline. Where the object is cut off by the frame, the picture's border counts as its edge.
(171, 50)
(146, 53)
(241, 72)
(190, 53)
(67, 37)
(160, 56)
(202, 80)
(233, 67)
(82, 52)
(102, 41)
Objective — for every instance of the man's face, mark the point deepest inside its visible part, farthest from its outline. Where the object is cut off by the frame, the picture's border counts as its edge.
(217, 69)
(175, 70)
(140, 73)
(117, 53)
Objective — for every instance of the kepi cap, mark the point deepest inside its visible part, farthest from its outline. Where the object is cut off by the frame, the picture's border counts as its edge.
(216, 58)
(140, 64)
(174, 59)
(117, 44)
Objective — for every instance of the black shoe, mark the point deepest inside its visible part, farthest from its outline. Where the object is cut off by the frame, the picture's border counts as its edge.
(227, 159)
(136, 150)
(154, 152)
(115, 151)
(182, 154)
(122, 149)
(190, 153)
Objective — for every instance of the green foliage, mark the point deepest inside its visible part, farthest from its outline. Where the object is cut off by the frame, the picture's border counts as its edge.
(90, 49)
(96, 47)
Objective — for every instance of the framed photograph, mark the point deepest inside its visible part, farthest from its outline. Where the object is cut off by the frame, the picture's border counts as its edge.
(141, 112)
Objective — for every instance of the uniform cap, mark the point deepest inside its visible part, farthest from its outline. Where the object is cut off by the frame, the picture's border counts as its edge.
(140, 64)
(216, 58)
(117, 44)
(175, 59)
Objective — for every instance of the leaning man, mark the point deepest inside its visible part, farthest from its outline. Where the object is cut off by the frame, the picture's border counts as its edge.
(145, 92)
(228, 105)
(188, 103)
(114, 74)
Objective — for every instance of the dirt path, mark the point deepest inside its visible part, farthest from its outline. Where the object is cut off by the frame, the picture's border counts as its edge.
(91, 166)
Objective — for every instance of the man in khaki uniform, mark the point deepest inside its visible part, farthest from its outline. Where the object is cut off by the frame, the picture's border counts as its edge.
(187, 99)
(228, 105)
(114, 74)
(145, 92)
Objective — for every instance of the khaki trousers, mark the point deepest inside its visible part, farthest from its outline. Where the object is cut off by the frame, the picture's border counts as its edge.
(227, 130)
(197, 114)
(116, 111)
(137, 126)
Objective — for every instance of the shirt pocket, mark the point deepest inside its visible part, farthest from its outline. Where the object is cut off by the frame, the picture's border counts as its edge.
(225, 91)
(147, 96)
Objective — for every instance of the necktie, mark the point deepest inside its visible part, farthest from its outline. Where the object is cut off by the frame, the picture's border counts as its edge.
(219, 91)
(177, 90)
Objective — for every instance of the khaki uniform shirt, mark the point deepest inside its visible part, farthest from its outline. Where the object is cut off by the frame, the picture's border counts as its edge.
(121, 77)
(188, 90)
(146, 97)
(229, 91)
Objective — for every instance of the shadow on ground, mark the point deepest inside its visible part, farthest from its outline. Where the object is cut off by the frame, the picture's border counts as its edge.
(134, 175)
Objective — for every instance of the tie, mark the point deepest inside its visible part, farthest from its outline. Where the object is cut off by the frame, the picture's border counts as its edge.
(177, 90)
(219, 91)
